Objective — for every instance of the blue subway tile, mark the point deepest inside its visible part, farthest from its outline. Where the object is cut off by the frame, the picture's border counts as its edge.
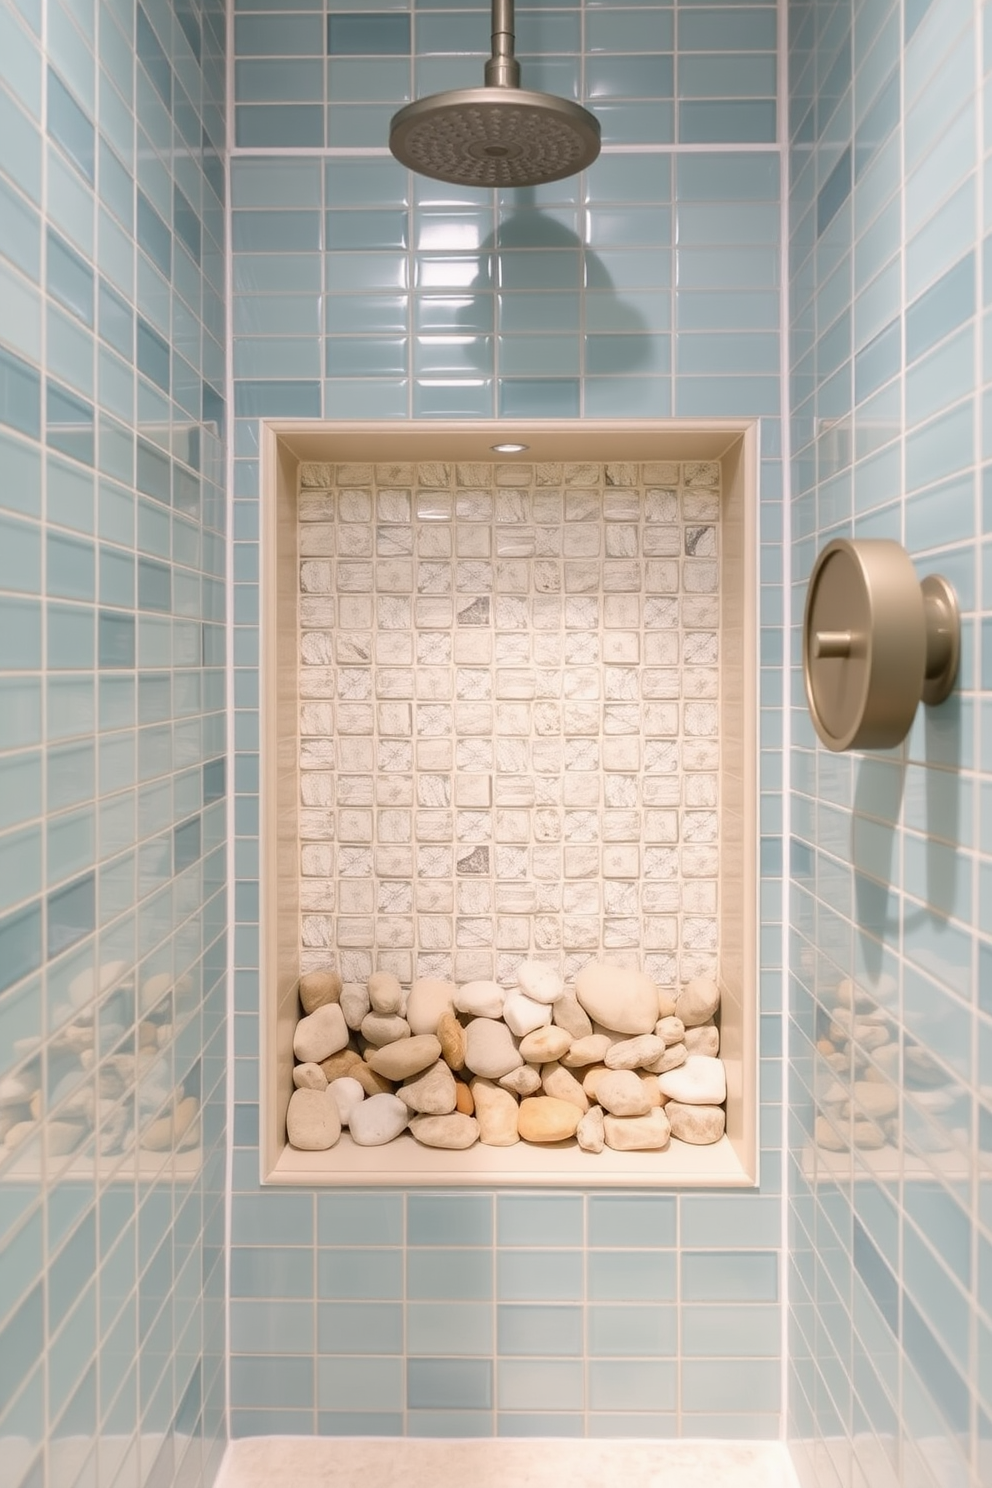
(70, 128)
(366, 35)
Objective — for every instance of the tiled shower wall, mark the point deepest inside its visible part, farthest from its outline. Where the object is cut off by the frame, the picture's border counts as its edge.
(509, 717)
(112, 813)
(647, 287)
(891, 1288)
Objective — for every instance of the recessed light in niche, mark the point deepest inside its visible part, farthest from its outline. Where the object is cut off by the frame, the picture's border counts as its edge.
(509, 449)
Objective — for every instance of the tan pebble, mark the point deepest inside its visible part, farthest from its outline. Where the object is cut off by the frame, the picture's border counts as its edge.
(340, 1064)
(699, 1125)
(464, 1100)
(313, 1122)
(621, 1094)
(635, 1053)
(429, 998)
(432, 1093)
(562, 1084)
(318, 988)
(650, 1083)
(671, 1029)
(568, 1014)
(310, 1076)
(451, 1036)
(496, 1111)
(384, 1028)
(637, 1133)
(673, 1057)
(186, 1111)
(590, 1132)
(545, 1044)
(320, 1034)
(827, 1135)
(824, 1046)
(697, 1001)
(454, 1132)
(868, 1136)
(666, 1004)
(873, 1098)
(592, 1077)
(542, 1118)
(523, 1081)
(385, 993)
(371, 1082)
(584, 1051)
(703, 1040)
(407, 1057)
(65, 1136)
(158, 1135)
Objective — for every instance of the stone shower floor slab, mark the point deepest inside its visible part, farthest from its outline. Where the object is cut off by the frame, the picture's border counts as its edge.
(343, 1462)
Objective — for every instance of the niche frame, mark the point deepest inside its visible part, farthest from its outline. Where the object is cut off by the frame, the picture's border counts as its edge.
(284, 445)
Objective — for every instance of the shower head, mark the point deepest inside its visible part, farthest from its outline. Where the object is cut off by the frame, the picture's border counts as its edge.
(497, 135)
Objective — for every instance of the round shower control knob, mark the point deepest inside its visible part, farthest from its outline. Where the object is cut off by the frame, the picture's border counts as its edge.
(875, 642)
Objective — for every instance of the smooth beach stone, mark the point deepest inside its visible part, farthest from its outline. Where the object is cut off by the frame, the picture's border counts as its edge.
(406, 1057)
(451, 1036)
(464, 1099)
(380, 1029)
(637, 1133)
(591, 1078)
(480, 999)
(454, 1132)
(622, 1000)
(874, 1099)
(567, 1014)
(671, 1030)
(590, 1132)
(622, 1093)
(429, 998)
(699, 1125)
(522, 1081)
(320, 1034)
(562, 1084)
(340, 1064)
(697, 1001)
(496, 1113)
(356, 1006)
(539, 981)
(705, 1039)
(431, 1093)
(673, 1056)
(313, 1121)
(826, 1135)
(346, 1093)
(635, 1053)
(545, 1044)
(649, 1083)
(522, 1015)
(699, 1082)
(378, 1120)
(868, 1136)
(385, 993)
(589, 1050)
(370, 1082)
(309, 1077)
(490, 1050)
(666, 1003)
(317, 988)
(542, 1118)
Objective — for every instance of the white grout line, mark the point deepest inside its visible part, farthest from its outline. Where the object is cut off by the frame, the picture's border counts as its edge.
(382, 152)
(229, 753)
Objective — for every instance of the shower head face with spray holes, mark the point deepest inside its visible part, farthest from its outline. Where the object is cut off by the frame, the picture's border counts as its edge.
(495, 137)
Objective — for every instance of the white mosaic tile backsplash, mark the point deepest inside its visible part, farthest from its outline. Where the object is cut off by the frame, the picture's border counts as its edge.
(509, 705)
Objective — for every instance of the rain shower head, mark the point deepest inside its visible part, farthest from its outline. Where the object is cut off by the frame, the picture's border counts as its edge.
(497, 135)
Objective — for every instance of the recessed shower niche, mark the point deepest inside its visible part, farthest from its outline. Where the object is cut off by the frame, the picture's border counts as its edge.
(509, 714)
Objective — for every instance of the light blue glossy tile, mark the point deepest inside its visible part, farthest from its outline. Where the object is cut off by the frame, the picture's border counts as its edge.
(633, 30)
(359, 1328)
(278, 36)
(281, 1327)
(718, 1332)
(616, 1220)
(279, 126)
(449, 1275)
(728, 1276)
(632, 1385)
(626, 1276)
(360, 1219)
(744, 1386)
(540, 1385)
(351, 1383)
(534, 1275)
(442, 1219)
(366, 356)
(369, 80)
(445, 1384)
(641, 122)
(544, 1331)
(632, 1331)
(279, 81)
(370, 35)
(449, 1328)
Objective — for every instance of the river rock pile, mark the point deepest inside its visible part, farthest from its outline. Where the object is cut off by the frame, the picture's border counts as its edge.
(611, 1062)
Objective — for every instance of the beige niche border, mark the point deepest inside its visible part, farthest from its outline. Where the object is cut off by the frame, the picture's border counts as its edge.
(730, 1163)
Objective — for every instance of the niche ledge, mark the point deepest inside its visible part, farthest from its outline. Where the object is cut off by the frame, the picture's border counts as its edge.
(731, 1162)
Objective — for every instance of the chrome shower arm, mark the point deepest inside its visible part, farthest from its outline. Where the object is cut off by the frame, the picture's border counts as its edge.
(502, 69)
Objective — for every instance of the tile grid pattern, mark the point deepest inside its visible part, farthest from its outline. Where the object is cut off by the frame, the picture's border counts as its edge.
(686, 73)
(475, 1315)
(689, 255)
(112, 739)
(509, 691)
(891, 1244)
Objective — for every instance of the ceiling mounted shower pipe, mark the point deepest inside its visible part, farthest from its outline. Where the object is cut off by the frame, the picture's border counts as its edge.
(499, 135)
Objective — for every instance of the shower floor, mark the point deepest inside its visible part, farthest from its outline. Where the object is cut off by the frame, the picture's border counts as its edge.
(336, 1462)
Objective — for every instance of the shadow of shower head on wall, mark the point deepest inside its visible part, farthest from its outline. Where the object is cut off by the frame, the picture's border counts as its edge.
(499, 135)
(557, 311)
